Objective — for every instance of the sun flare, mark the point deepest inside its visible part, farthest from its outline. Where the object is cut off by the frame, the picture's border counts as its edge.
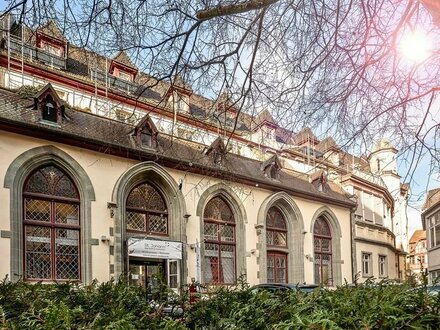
(415, 46)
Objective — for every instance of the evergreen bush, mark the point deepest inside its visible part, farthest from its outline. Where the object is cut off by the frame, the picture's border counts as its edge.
(117, 305)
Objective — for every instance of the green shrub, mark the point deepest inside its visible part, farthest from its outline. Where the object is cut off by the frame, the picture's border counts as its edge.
(116, 305)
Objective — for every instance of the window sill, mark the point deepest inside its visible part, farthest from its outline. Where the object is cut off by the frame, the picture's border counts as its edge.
(49, 123)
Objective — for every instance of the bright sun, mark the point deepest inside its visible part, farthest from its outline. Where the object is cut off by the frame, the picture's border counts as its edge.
(415, 46)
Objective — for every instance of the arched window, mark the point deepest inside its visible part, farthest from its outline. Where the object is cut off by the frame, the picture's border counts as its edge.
(146, 211)
(276, 229)
(219, 237)
(322, 238)
(51, 226)
(276, 237)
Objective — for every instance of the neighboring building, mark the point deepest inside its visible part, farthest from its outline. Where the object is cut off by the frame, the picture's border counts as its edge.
(107, 170)
(418, 253)
(431, 223)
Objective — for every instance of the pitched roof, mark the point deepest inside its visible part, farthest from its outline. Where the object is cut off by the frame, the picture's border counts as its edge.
(304, 135)
(51, 29)
(123, 58)
(265, 117)
(326, 144)
(274, 160)
(181, 83)
(110, 136)
(432, 198)
(418, 235)
(48, 89)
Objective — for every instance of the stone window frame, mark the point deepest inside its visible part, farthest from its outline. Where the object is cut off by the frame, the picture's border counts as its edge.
(295, 238)
(236, 205)
(16, 175)
(146, 127)
(383, 273)
(149, 172)
(336, 232)
(433, 225)
(322, 237)
(367, 262)
(220, 242)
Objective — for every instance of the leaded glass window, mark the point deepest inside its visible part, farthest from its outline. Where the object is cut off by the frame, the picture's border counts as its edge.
(51, 208)
(276, 237)
(219, 237)
(322, 239)
(146, 211)
(276, 267)
(276, 228)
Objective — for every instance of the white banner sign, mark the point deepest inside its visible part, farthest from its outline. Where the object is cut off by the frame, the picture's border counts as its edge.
(151, 248)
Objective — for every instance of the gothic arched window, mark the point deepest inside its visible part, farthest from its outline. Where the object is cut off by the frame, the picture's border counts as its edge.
(276, 240)
(219, 238)
(51, 226)
(322, 238)
(146, 211)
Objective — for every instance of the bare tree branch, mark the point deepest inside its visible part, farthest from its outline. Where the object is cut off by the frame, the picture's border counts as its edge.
(237, 8)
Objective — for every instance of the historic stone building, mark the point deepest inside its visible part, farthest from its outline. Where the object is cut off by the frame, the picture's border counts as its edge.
(431, 223)
(107, 171)
(418, 254)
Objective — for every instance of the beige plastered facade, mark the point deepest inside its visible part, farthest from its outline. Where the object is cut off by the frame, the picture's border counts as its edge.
(101, 175)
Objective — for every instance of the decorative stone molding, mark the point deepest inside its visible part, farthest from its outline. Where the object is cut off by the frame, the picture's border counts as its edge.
(15, 178)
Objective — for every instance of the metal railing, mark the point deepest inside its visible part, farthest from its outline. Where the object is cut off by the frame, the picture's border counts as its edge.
(113, 81)
(16, 46)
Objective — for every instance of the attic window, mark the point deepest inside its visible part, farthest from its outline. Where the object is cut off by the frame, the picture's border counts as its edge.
(180, 102)
(147, 139)
(123, 75)
(217, 151)
(269, 133)
(272, 171)
(271, 168)
(146, 133)
(50, 112)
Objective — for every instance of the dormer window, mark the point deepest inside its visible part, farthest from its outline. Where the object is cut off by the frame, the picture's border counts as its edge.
(122, 67)
(146, 138)
(52, 46)
(268, 134)
(274, 170)
(53, 49)
(217, 151)
(272, 167)
(178, 95)
(49, 110)
(179, 102)
(49, 106)
(124, 76)
(146, 133)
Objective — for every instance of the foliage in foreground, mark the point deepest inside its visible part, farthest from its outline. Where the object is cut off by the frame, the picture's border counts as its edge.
(115, 305)
(111, 305)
